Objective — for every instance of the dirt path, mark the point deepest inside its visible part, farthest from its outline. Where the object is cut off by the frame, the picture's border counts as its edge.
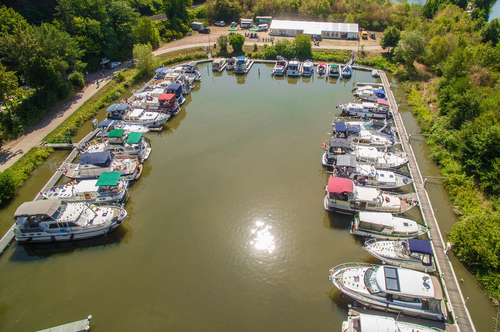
(13, 150)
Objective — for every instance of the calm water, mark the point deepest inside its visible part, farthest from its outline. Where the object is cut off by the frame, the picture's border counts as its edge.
(227, 230)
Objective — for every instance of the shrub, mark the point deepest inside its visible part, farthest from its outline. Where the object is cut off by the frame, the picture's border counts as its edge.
(77, 80)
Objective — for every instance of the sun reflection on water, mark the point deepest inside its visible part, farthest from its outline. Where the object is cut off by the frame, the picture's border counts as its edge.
(263, 240)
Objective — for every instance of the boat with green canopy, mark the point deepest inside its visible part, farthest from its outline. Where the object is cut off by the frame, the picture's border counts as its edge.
(108, 188)
(121, 143)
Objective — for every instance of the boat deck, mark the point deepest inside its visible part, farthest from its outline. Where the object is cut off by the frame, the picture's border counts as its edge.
(78, 326)
(456, 304)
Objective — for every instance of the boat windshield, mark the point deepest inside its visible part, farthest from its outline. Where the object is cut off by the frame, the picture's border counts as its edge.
(59, 211)
(371, 280)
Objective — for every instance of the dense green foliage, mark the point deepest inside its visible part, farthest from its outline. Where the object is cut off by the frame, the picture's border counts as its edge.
(462, 51)
(15, 175)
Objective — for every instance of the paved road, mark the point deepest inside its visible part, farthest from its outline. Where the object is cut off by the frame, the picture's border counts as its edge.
(12, 151)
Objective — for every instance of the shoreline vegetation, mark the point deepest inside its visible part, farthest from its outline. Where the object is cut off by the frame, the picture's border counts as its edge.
(444, 53)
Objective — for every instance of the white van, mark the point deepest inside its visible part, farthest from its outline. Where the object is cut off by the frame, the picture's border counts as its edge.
(263, 27)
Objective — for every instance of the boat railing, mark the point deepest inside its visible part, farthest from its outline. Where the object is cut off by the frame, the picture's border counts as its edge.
(349, 265)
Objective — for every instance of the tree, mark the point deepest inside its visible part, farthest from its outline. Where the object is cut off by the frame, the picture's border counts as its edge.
(491, 32)
(146, 32)
(177, 8)
(237, 41)
(411, 46)
(147, 63)
(390, 38)
(349, 18)
(303, 46)
(223, 41)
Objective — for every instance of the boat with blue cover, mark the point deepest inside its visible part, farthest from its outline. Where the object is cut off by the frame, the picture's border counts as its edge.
(176, 88)
(408, 253)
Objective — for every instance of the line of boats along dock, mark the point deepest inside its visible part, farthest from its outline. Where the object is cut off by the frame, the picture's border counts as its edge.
(361, 157)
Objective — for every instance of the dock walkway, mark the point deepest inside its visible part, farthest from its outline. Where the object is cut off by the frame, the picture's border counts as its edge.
(455, 301)
(78, 326)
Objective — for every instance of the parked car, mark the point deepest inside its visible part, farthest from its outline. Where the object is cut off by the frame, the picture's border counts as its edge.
(220, 23)
(114, 64)
(234, 24)
(372, 35)
(204, 30)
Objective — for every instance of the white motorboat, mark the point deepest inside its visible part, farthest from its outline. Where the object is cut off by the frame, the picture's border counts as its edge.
(55, 220)
(410, 253)
(109, 188)
(92, 165)
(365, 175)
(230, 63)
(344, 197)
(242, 65)
(365, 110)
(280, 66)
(321, 68)
(191, 70)
(307, 68)
(294, 68)
(121, 143)
(377, 126)
(383, 225)
(375, 73)
(392, 289)
(219, 64)
(380, 159)
(130, 116)
(334, 70)
(374, 323)
(106, 126)
(361, 136)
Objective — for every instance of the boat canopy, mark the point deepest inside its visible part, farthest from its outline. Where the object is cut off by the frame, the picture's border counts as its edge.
(133, 138)
(339, 185)
(379, 93)
(383, 102)
(160, 70)
(175, 88)
(45, 207)
(116, 133)
(346, 160)
(334, 65)
(166, 97)
(340, 126)
(321, 64)
(421, 246)
(117, 107)
(108, 179)
(340, 143)
(102, 159)
(107, 123)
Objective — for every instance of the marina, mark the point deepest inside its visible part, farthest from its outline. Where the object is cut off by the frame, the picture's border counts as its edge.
(262, 215)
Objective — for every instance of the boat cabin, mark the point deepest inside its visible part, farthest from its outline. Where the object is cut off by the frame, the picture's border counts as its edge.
(336, 147)
(168, 101)
(176, 89)
(36, 215)
(117, 111)
(99, 159)
(385, 224)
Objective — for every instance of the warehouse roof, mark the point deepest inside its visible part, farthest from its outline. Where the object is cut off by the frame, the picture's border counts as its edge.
(314, 28)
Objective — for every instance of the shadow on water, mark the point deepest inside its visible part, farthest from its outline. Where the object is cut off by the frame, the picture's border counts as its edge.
(32, 251)
(292, 80)
(333, 220)
(340, 302)
(333, 80)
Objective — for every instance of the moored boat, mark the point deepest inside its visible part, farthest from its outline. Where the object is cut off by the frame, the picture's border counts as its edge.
(307, 68)
(334, 70)
(346, 71)
(55, 220)
(383, 225)
(321, 68)
(92, 165)
(280, 66)
(176, 89)
(365, 175)
(168, 104)
(365, 110)
(357, 133)
(344, 197)
(380, 159)
(109, 188)
(230, 63)
(294, 68)
(375, 323)
(411, 253)
(130, 116)
(392, 289)
(219, 64)
(241, 66)
(375, 73)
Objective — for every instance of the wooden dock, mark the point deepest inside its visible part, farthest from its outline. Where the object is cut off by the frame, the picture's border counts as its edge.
(458, 314)
(8, 237)
(78, 326)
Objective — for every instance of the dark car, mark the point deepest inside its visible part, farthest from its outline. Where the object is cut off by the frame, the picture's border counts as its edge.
(204, 30)
(372, 35)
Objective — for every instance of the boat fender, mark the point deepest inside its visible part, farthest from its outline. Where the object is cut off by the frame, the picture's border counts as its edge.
(29, 239)
(53, 239)
(342, 295)
(72, 236)
(110, 229)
